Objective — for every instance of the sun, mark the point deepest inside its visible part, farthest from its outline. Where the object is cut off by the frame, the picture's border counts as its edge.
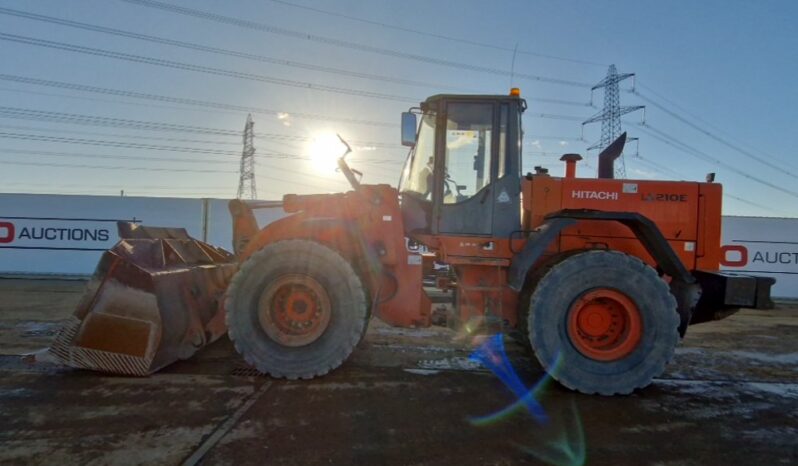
(324, 150)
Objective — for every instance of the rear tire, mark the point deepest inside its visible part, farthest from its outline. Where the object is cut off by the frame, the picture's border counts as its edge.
(607, 321)
(296, 309)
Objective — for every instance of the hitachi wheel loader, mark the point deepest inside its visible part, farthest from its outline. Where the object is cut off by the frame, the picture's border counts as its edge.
(602, 275)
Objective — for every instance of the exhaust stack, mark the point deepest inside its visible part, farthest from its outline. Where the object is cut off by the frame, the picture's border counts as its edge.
(606, 159)
(570, 164)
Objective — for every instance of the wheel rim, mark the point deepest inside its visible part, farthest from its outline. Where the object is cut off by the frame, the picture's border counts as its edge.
(294, 310)
(604, 325)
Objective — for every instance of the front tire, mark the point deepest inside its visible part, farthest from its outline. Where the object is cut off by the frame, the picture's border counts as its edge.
(603, 322)
(296, 309)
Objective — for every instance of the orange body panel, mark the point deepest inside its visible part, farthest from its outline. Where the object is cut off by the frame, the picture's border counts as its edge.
(708, 254)
(366, 227)
(482, 295)
(687, 214)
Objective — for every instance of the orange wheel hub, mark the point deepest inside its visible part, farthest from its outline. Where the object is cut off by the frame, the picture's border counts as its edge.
(294, 310)
(604, 325)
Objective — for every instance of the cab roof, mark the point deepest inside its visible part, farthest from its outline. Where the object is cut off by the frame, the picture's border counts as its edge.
(473, 97)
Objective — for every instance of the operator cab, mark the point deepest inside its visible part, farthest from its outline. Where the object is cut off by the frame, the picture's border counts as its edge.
(463, 173)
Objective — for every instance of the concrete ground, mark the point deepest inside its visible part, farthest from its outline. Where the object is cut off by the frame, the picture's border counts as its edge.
(405, 397)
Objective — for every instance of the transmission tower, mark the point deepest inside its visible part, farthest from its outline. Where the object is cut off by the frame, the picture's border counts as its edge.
(610, 115)
(246, 182)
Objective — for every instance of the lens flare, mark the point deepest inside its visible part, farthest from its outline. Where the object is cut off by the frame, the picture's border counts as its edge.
(567, 448)
(492, 355)
(563, 439)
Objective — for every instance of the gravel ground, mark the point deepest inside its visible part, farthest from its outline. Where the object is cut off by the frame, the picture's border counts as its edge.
(405, 397)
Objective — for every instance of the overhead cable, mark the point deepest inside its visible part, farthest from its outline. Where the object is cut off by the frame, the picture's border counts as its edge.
(302, 35)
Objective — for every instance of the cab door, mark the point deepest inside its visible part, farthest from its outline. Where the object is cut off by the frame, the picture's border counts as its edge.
(475, 181)
(465, 170)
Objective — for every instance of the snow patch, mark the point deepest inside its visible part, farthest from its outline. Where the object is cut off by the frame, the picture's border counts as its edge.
(423, 371)
(455, 363)
(782, 358)
(784, 390)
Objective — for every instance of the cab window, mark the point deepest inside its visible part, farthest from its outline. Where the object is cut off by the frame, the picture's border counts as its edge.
(468, 150)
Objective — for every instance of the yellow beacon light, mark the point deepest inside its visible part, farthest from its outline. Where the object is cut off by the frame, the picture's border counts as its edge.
(515, 92)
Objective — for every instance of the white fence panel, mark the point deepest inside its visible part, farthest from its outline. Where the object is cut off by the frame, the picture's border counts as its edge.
(65, 235)
(763, 246)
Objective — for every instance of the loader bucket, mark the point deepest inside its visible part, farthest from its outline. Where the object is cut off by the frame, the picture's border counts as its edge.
(155, 297)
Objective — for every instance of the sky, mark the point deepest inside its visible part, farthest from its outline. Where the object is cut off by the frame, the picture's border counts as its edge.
(716, 77)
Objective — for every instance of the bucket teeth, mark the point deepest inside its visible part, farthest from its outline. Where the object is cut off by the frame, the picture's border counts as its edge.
(155, 298)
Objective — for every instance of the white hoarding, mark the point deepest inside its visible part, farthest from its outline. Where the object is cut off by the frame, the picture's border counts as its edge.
(54, 234)
(65, 235)
(763, 246)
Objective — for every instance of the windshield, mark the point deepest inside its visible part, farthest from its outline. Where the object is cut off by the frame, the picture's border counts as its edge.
(417, 175)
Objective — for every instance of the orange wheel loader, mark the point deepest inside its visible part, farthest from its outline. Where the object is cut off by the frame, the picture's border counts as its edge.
(603, 275)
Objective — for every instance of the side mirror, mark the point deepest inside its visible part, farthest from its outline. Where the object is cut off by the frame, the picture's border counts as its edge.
(409, 125)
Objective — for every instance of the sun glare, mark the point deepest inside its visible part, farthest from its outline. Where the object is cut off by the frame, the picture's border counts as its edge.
(324, 151)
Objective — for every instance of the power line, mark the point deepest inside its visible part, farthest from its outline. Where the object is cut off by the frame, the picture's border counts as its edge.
(763, 161)
(552, 116)
(111, 101)
(192, 161)
(57, 45)
(437, 36)
(665, 169)
(133, 145)
(692, 115)
(658, 166)
(254, 57)
(84, 188)
(690, 150)
(528, 138)
(148, 169)
(705, 122)
(95, 120)
(266, 137)
(286, 114)
(116, 135)
(248, 24)
(102, 121)
(215, 50)
(130, 145)
(113, 167)
(114, 157)
(232, 107)
(118, 185)
(33, 115)
(189, 101)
